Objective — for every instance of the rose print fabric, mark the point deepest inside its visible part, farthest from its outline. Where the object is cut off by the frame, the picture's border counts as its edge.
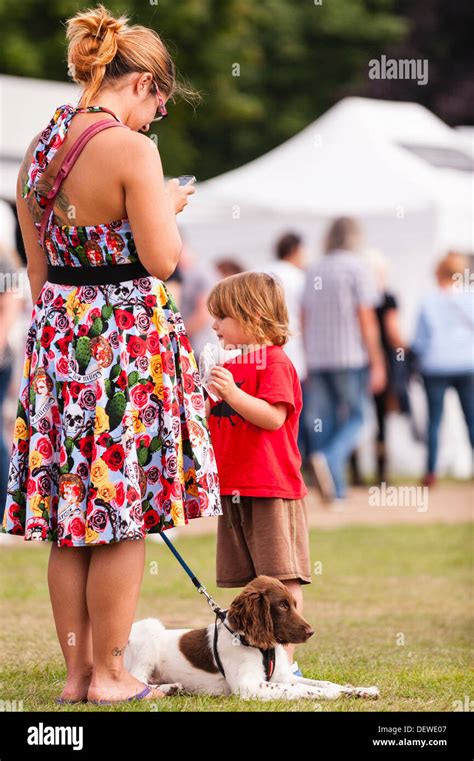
(111, 440)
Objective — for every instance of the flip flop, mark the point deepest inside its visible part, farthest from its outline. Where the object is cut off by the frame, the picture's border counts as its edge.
(146, 691)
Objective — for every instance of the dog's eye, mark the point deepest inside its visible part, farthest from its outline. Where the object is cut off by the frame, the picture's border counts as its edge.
(284, 605)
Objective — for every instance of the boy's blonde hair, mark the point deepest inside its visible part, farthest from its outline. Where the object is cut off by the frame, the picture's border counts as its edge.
(256, 300)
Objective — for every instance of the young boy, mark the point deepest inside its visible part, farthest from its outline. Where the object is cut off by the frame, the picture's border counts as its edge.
(254, 429)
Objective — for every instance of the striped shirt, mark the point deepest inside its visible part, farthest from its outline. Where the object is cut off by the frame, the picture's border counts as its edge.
(336, 285)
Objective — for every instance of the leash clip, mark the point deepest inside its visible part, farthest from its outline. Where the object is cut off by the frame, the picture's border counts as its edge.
(212, 603)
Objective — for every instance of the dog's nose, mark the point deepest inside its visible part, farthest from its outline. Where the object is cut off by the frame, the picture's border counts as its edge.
(309, 632)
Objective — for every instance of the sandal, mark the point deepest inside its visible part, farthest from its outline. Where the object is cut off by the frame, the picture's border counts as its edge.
(146, 691)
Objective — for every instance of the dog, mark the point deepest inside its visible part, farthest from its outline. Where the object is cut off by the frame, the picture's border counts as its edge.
(249, 659)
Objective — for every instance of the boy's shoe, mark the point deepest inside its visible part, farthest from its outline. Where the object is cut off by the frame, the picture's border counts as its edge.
(323, 476)
(295, 669)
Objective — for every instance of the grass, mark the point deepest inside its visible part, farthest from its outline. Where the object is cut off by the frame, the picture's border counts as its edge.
(391, 607)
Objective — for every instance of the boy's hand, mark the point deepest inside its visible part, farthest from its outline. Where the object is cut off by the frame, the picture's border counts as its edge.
(222, 382)
(257, 411)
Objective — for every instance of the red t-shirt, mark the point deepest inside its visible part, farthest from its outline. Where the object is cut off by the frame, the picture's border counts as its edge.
(251, 460)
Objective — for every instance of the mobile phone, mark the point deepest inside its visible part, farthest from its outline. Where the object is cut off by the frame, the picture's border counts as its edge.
(186, 179)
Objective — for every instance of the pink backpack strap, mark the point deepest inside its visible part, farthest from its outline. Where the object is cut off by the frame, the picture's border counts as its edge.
(68, 163)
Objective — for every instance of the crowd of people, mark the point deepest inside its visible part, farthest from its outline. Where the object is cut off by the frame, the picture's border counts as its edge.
(349, 349)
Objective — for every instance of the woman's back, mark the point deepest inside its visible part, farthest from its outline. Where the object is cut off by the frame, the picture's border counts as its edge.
(92, 193)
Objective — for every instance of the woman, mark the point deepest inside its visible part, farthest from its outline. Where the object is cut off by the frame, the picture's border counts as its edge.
(443, 348)
(110, 440)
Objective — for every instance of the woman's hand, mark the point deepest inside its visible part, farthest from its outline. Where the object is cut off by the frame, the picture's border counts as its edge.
(179, 194)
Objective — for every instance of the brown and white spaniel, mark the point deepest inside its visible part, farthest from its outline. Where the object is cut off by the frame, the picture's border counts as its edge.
(248, 659)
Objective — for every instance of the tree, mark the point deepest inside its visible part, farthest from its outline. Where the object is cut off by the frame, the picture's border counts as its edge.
(441, 33)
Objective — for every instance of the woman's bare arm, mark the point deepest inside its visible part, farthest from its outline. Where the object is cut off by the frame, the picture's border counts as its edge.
(151, 209)
(37, 265)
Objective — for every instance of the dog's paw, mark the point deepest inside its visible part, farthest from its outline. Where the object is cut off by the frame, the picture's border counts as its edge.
(371, 693)
(171, 689)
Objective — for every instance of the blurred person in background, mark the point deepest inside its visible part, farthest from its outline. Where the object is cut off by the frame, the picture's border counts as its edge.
(342, 341)
(197, 281)
(443, 346)
(227, 267)
(289, 267)
(10, 308)
(394, 397)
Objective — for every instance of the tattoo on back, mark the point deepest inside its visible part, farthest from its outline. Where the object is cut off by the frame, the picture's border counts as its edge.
(62, 205)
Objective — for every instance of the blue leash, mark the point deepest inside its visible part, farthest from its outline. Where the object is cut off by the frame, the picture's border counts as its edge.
(268, 654)
(200, 587)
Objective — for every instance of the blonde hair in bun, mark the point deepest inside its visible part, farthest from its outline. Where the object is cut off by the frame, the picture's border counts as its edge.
(102, 49)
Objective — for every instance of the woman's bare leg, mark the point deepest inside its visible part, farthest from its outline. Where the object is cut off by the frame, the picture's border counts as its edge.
(113, 587)
(294, 587)
(67, 579)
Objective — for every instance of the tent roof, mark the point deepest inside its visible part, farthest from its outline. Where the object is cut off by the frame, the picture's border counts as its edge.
(363, 156)
(27, 107)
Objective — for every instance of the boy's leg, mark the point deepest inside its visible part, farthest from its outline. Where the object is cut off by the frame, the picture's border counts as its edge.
(294, 587)
(234, 566)
(277, 535)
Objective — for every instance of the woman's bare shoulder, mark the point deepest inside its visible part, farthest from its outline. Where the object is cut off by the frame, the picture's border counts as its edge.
(136, 142)
(133, 150)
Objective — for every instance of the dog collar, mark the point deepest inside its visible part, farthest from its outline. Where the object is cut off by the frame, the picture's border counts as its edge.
(268, 655)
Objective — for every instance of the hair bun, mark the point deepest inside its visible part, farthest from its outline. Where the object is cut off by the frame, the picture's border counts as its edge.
(93, 37)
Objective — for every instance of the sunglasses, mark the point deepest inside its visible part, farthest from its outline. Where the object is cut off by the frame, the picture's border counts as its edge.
(161, 112)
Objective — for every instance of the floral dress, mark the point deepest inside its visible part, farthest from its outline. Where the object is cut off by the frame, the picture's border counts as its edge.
(110, 440)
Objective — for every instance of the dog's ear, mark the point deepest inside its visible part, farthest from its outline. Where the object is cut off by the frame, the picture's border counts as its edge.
(250, 614)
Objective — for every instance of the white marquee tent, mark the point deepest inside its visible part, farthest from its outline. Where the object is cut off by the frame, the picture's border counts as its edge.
(26, 106)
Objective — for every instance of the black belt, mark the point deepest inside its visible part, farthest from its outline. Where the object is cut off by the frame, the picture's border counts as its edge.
(99, 275)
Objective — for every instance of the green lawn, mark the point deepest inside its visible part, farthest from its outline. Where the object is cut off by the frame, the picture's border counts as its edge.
(379, 587)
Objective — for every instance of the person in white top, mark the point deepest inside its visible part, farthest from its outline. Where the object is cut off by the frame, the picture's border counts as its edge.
(289, 268)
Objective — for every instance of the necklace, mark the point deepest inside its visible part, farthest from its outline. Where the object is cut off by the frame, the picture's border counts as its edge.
(100, 108)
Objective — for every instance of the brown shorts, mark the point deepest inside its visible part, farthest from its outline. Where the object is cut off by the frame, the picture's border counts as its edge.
(262, 535)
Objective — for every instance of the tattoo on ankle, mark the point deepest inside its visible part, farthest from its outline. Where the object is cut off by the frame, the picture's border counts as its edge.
(118, 651)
